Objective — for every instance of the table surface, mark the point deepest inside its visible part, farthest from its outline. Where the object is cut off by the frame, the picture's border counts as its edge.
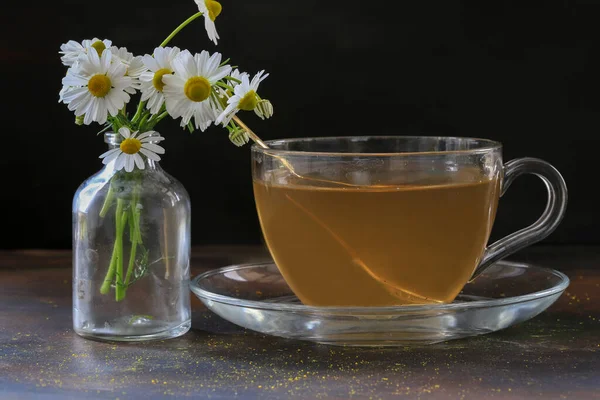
(555, 355)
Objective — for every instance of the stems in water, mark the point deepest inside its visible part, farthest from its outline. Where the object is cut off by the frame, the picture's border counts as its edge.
(120, 222)
(108, 200)
(111, 271)
(123, 216)
(135, 235)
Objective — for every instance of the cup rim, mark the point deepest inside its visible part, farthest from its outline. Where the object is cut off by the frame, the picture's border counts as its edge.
(487, 145)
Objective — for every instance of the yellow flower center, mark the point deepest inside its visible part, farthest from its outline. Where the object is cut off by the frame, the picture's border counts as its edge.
(157, 80)
(99, 85)
(99, 46)
(214, 9)
(130, 146)
(249, 101)
(197, 89)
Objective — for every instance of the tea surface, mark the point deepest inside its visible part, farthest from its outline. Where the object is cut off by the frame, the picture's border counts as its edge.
(374, 246)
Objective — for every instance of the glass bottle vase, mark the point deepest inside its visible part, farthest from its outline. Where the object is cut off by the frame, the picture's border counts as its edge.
(131, 254)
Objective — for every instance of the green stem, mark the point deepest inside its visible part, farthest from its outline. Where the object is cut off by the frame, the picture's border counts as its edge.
(179, 28)
(121, 220)
(231, 78)
(135, 216)
(136, 213)
(141, 127)
(134, 235)
(224, 86)
(161, 116)
(107, 201)
(131, 263)
(117, 249)
(137, 231)
(104, 289)
(138, 112)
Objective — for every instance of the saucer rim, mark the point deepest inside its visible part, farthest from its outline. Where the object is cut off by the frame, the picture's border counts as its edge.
(264, 305)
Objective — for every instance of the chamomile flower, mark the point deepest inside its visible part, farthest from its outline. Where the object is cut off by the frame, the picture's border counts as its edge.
(71, 50)
(151, 82)
(135, 65)
(96, 87)
(127, 155)
(244, 97)
(234, 79)
(210, 9)
(188, 91)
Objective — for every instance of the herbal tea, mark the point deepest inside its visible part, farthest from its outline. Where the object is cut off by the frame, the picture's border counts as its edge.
(375, 246)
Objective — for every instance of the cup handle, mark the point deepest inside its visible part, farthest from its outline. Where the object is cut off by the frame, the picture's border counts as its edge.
(544, 226)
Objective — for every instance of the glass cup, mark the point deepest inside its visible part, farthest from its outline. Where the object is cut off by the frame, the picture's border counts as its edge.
(375, 221)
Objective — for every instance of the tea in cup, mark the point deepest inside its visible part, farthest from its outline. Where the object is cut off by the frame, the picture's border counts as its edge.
(382, 221)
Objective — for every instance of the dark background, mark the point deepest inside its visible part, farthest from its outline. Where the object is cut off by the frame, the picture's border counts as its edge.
(525, 73)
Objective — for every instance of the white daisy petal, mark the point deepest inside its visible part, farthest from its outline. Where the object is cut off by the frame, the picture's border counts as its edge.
(112, 105)
(87, 118)
(145, 134)
(150, 62)
(154, 148)
(129, 163)
(153, 139)
(155, 103)
(220, 73)
(152, 156)
(105, 61)
(78, 101)
(213, 62)
(102, 114)
(148, 93)
(111, 157)
(73, 94)
(211, 30)
(225, 115)
(84, 105)
(125, 132)
(139, 162)
(108, 153)
(71, 79)
(120, 163)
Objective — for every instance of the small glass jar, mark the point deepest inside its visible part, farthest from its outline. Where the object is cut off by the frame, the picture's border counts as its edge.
(131, 254)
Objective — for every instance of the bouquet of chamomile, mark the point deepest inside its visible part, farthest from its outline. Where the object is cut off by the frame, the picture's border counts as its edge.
(200, 89)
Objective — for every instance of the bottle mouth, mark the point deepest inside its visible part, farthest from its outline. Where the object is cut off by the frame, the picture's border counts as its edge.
(114, 139)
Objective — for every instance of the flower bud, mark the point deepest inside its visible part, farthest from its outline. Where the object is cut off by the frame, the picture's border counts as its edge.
(239, 137)
(264, 109)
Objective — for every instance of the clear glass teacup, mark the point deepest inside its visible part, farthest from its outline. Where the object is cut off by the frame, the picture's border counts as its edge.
(375, 221)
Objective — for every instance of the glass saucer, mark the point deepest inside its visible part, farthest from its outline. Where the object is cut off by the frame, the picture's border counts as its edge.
(255, 296)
